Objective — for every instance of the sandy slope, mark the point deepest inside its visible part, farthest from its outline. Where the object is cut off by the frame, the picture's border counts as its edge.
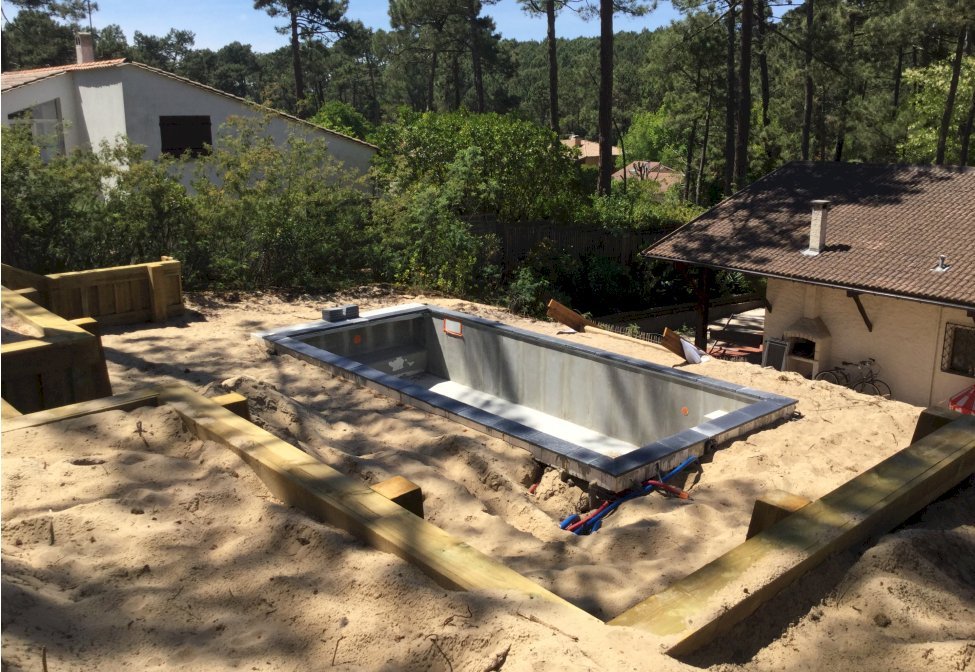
(214, 574)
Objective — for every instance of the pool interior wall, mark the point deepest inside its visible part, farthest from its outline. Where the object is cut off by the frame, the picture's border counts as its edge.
(607, 419)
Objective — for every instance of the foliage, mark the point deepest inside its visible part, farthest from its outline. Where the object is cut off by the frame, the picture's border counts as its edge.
(277, 215)
(343, 118)
(511, 168)
(927, 106)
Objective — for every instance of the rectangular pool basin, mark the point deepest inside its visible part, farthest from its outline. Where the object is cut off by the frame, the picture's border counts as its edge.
(607, 419)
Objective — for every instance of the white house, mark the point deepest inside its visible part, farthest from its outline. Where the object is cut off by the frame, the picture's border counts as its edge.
(85, 103)
(862, 261)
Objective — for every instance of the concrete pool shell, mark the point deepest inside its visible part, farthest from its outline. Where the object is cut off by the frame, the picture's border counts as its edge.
(607, 419)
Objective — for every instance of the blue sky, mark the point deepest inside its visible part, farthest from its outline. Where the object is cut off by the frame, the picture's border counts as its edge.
(219, 22)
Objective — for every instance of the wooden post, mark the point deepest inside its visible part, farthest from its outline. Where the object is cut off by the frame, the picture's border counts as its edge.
(157, 291)
(703, 287)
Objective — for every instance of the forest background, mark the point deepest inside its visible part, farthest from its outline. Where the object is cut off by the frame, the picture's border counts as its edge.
(466, 124)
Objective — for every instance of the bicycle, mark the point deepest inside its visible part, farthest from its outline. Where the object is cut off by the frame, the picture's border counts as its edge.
(867, 381)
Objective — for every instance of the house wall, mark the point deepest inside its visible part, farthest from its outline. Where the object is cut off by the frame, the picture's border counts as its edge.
(101, 108)
(53, 88)
(148, 95)
(101, 104)
(907, 338)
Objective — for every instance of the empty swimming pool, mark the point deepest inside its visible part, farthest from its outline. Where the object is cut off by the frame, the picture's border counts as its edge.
(605, 418)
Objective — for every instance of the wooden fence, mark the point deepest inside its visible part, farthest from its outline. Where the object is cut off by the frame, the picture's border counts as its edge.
(63, 365)
(518, 239)
(119, 295)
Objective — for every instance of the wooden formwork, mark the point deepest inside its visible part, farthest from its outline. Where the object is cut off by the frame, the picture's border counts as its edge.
(683, 617)
(118, 295)
(64, 365)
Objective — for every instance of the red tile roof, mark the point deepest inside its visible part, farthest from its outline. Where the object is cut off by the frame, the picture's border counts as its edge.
(886, 227)
(650, 170)
(17, 78)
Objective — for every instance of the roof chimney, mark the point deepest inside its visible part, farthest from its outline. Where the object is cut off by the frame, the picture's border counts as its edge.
(84, 48)
(817, 228)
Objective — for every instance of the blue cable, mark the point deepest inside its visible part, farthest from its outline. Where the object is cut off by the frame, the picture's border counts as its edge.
(594, 523)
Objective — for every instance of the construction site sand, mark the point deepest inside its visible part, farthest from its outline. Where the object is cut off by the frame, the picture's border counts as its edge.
(241, 581)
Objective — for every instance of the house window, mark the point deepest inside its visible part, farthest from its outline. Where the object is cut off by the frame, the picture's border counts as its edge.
(46, 127)
(188, 133)
(959, 352)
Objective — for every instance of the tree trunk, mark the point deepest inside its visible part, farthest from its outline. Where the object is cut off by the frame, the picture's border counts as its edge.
(704, 144)
(688, 168)
(897, 81)
(966, 132)
(296, 62)
(433, 79)
(472, 12)
(691, 141)
(604, 186)
(807, 107)
(950, 102)
(553, 67)
(744, 95)
(455, 67)
(729, 119)
(763, 62)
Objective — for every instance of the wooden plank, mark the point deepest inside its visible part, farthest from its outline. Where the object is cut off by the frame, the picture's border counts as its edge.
(298, 479)
(671, 340)
(771, 508)
(119, 402)
(724, 592)
(567, 316)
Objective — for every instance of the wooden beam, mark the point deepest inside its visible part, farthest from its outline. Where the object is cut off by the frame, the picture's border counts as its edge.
(771, 508)
(119, 402)
(714, 598)
(235, 403)
(863, 313)
(931, 419)
(300, 480)
(9, 411)
(402, 491)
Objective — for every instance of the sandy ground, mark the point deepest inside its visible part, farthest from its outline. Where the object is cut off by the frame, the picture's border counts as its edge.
(127, 544)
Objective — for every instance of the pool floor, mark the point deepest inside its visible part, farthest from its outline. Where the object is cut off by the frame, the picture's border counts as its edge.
(543, 422)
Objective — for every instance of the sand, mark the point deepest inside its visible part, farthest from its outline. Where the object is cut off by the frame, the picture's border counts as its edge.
(215, 574)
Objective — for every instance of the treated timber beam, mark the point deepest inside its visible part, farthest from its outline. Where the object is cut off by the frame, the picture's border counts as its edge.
(119, 402)
(724, 592)
(300, 480)
(149, 396)
(8, 410)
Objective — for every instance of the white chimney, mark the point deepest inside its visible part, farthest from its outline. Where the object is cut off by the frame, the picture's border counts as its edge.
(817, 228)
(84, 48)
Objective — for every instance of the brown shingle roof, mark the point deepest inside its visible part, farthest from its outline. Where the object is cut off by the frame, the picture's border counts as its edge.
(886, 226)
(16, 78)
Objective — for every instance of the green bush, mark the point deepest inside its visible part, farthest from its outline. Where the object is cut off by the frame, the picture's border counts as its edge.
(278, 215)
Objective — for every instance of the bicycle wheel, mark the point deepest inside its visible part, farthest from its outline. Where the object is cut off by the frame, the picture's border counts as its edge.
(834, 376)
(883, 387)
(866, 387)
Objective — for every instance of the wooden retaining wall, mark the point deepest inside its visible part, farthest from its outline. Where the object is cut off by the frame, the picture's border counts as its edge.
(149, 292)
(64, 365)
